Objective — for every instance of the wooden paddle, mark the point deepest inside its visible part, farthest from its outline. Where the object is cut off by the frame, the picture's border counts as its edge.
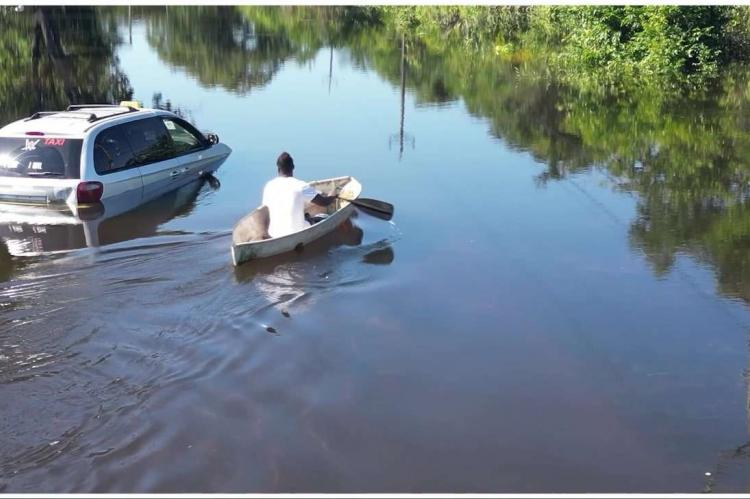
(374, 207)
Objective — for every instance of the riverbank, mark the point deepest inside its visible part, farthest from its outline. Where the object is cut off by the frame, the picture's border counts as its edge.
(680, 47)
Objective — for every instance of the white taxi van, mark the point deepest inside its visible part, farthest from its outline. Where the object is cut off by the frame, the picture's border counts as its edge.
(94, 153)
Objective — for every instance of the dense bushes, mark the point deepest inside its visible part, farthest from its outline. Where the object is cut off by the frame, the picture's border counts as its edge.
(474, 24)
(593, 46)
(674, 45)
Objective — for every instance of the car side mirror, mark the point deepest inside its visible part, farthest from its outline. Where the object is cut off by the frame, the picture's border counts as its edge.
(212, 138)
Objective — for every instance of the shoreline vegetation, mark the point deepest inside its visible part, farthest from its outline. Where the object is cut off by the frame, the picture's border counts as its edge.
(595, 48)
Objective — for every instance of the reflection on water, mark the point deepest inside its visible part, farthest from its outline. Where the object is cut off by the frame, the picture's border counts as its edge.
(6, 262)
(296, 280)
(217, 45)
(401, 136)
(572, 282)
(30, 230)
(57, 56)
(663, 148)
(379, 256)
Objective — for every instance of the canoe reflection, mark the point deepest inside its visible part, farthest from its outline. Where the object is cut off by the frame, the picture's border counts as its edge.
(346, 234)
(33, 230)
(295, 278)
(6, 262)
(379, 256)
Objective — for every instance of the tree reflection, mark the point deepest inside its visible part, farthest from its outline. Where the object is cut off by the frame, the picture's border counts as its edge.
(299, 278)
(217, 45)
(241, 48)
(55, 56)
(685, 158)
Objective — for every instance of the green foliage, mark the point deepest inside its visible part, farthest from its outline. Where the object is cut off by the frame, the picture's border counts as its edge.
(594, 47)
(736, 32)
(475, 25)
(616, 46)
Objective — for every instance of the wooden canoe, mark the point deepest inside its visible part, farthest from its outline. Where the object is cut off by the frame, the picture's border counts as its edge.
(338, 212)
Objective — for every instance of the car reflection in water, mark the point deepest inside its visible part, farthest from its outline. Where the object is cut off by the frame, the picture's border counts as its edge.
(28, 230)
(295, 278)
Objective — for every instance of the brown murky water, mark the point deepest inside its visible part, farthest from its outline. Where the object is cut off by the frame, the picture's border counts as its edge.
(514, 328)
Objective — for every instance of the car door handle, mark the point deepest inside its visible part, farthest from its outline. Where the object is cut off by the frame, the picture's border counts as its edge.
(175, 173)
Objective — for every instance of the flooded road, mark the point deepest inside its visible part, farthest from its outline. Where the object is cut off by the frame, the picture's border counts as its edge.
(534, 319)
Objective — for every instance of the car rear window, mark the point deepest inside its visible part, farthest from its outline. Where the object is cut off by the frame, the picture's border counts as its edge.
(40, 157)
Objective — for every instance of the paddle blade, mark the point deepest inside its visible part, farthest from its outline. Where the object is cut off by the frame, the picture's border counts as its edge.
(375, 207)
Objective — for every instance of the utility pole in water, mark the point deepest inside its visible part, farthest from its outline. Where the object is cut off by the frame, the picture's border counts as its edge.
(166, 24)
(130, 25)
(330, 71)
(403, 95)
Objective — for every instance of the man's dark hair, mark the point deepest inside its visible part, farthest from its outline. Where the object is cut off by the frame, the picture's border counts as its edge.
(285, 163)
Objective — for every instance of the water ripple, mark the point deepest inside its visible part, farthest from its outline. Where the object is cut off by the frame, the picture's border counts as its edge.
(110, 342)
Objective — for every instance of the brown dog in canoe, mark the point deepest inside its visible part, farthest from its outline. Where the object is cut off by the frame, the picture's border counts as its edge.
(252, 227)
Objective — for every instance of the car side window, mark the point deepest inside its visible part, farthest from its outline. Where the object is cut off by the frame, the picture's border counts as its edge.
(184, 136)
(112, 151)
(149, 140)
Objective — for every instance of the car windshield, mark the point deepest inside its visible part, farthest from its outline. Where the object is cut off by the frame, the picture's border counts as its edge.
(40, 157)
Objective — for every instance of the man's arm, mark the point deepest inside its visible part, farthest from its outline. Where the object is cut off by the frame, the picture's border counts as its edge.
(310, 193)
(322, 200)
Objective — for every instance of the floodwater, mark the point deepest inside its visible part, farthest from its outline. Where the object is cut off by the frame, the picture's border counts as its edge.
(538, 317)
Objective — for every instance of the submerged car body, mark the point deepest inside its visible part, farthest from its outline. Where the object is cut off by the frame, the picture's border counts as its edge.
(99, 153)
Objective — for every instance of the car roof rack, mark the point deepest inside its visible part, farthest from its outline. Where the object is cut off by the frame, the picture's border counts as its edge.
(41, 114)
(76, 111)
(107, 116)
(75, 107)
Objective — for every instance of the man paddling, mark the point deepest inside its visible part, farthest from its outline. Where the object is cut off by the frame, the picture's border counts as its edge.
(285, 197)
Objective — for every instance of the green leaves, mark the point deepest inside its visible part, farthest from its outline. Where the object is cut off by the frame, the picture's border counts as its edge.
(673, 46)
(680, 47)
